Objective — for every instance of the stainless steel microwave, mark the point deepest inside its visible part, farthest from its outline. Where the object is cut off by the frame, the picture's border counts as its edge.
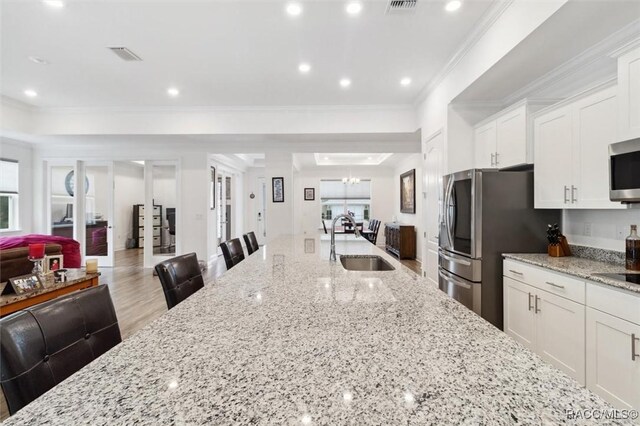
(624, 171)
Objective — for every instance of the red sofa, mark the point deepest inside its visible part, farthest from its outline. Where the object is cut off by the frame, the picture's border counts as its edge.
(70, 247)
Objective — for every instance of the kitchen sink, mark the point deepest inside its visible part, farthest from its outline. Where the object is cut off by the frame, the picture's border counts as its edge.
(365, 263)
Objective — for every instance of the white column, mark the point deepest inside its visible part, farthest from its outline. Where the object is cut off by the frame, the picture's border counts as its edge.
(280, 218)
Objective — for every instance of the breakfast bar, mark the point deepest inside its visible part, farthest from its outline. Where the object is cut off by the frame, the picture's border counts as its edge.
(287, 337)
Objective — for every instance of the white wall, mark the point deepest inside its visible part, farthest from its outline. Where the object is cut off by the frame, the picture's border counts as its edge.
(280, 217)
(22, 152)
(308, 213)
(609, 228)
(129, 190)
(413, 161)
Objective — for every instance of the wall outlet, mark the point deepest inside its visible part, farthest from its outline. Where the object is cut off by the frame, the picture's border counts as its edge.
(587, 229)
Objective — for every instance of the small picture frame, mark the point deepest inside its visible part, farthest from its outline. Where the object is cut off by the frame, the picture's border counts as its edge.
(309, 194)
(26, 283)
(53, 263)
(277, 189)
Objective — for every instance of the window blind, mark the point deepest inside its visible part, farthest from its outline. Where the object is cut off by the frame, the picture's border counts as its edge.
(8, 176)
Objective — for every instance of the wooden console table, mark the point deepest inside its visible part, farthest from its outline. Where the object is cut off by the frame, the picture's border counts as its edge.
(77, 280)
(400, 240)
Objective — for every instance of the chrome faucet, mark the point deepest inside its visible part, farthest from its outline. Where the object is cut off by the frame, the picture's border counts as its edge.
(332, 256)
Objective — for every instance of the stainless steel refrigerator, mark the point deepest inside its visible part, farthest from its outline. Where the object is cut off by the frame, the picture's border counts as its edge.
(486, 213)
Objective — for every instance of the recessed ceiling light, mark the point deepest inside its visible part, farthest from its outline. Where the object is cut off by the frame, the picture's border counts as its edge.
(345, 82)
(38, 61)
(58, 4)
(173, 92)
(405, 81)
(304, 68)
(326, 158)
(31, 93)
(369, 158)
(354, 8)
(294, 9)
(453, 5)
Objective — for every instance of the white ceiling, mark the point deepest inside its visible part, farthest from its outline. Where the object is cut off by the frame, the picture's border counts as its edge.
(350, 159)
(225, 53)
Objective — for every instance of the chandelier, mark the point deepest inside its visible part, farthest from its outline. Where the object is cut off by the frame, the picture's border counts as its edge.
(350, 180)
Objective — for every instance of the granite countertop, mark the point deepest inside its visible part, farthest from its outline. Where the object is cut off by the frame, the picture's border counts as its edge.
(286, 337)
(578, 267)
(74, 276)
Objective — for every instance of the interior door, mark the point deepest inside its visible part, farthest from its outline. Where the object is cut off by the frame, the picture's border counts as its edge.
(99, 212)
(433, 204)
(261, 233)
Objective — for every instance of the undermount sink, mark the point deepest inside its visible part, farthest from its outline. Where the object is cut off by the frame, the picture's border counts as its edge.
(365, 263)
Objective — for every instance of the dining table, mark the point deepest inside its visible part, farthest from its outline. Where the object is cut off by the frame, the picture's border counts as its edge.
(288, 337)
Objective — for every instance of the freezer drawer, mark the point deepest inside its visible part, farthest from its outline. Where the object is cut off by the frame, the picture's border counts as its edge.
(469, 269)
(466, 292)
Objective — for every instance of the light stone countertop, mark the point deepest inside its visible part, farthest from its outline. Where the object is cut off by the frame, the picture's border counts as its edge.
(578, 267)
(286, 337)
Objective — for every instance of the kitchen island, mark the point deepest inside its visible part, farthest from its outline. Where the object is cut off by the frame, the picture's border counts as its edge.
(286, 337)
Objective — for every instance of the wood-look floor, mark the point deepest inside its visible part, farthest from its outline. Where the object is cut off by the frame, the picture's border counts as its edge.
(137, 294)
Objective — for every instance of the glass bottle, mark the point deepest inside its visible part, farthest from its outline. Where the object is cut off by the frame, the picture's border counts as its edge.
(633, 250)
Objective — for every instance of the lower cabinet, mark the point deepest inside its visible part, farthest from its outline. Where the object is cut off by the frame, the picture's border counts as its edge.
(590, 331)
(549, 325)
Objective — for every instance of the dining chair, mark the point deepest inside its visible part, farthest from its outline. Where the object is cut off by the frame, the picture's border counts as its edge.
(180, 277)
(43, 345)
(251, 242)
(232, 251)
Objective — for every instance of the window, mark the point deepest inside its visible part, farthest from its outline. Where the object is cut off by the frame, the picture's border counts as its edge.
(8, 194)
(338, 197)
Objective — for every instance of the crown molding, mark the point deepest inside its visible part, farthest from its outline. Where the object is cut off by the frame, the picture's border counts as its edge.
(224, 109)
(592, 88)
(596, 52)
(14, 103)
(483, 25)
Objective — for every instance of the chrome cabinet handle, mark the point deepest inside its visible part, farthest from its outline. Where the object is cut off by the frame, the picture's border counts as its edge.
(574, 199)
(492, 160)
(554, 284)
(497, 159)
(566, 194)
(515, 272)
(451, 259)
(634, 355)
(530, 307)
(536, 307)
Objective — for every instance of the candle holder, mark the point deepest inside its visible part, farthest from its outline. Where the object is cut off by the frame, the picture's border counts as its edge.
(37, 266)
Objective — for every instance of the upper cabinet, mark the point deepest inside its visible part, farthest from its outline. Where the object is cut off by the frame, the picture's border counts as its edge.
(571, 141)
(504, 139)
(629, 91)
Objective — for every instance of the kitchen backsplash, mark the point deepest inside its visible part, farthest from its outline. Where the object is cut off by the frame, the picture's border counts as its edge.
(603, 229)
(601, 255)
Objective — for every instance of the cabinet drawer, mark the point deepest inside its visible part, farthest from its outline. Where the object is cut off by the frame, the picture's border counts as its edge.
(156, 241)
(157, 221)
(156, 210)
(553, 282)
(141, 242)
(620, 303)
(156, 231)
(141, 210)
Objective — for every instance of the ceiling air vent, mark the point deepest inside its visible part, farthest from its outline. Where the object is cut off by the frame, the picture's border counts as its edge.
(401, 6)
(125, 54)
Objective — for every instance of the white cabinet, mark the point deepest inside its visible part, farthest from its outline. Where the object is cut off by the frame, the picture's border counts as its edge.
(548, 324)
(629, 92)
(503, 140)
(613, 345)
(485, 145)
(571, 152)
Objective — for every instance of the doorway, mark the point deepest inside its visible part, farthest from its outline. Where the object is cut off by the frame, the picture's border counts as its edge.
(224, 195)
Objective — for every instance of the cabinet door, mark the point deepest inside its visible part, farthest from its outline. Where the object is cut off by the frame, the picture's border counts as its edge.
(595, 123)
(511, 138)
(553, 163)
(485, 145)
(560, 329)
(519, 316)
(629, 95)
(611, 371)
